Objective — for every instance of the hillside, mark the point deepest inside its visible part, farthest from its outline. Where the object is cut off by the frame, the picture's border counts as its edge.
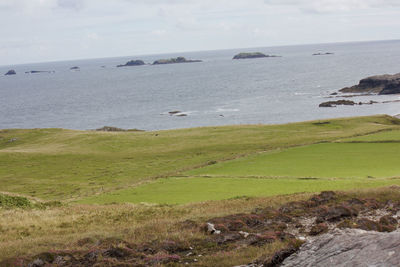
(70, 192)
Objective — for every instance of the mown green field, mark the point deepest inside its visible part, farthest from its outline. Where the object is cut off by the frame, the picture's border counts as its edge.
(67, 165)
(329, 160)
(186, 190)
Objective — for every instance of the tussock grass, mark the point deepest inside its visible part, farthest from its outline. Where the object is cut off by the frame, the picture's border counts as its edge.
(32, 231)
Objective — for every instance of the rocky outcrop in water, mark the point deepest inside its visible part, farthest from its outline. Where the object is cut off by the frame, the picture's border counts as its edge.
(252, 55)
(349, 248)
(381, 84)
(330, 104)
(132, 63)
(75, 68)
(174, 61)
(323, 54)
(40, 71)
(11, 72)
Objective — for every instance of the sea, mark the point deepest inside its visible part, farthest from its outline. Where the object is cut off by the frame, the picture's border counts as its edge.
(217, 91)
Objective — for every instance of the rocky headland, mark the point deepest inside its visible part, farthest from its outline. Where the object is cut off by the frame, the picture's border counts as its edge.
(174, 61)
(132, 63)
(11, 72)
(252, 55)
(380, 84)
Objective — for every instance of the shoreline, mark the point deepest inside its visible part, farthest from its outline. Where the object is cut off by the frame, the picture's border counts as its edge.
(134, 130)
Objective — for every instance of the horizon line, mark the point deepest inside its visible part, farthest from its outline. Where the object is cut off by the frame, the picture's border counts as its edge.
(194, 51)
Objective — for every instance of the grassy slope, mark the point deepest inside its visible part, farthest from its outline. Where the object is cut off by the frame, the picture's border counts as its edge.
(64, 164)
(55, 163)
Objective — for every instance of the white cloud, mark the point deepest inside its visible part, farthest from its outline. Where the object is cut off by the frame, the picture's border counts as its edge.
(328, 6)
(100, 28)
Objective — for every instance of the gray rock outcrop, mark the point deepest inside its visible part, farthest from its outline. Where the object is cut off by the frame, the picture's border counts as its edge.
(174, 60)
(252, 55)
(132, 63)
(11, 72)
(350, 247)
(381, 84)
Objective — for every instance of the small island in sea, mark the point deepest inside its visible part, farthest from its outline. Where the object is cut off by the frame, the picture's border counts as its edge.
(175, 60)
(252, 55)
(132, 63)
(11, 72)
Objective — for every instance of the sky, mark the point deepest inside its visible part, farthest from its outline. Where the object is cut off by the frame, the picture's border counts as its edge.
(52, 30)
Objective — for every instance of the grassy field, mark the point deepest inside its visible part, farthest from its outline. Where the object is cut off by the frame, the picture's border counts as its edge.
(56, 164)
(330, 160)
(186, 190)
(208, 172)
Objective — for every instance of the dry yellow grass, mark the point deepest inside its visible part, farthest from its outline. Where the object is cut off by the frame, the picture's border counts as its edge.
(28, 232)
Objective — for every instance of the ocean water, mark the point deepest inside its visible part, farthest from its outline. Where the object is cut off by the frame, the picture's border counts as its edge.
(217, 91)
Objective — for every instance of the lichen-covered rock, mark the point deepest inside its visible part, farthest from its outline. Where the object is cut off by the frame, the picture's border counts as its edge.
(349, 248)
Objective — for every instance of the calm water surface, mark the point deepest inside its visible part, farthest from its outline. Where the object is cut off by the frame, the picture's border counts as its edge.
(218, 91)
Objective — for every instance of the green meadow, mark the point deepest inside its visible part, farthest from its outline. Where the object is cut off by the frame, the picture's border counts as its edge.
(186, 190)
(199, 164)
(62, 188)
(328, 160)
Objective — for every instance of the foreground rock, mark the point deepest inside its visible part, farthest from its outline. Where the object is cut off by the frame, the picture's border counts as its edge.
(349, 248)
(132, 63)
(252, 55)
(381, 84)
(11, 72)
(174, 61)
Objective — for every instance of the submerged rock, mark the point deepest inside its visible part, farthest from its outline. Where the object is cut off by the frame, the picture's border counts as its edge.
(132, 63)
(11, 72)
(252, 55)
(349, 248)
(174, 60)
(381, 84)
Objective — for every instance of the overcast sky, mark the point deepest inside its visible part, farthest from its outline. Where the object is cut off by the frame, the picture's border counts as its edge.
(49, 30)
